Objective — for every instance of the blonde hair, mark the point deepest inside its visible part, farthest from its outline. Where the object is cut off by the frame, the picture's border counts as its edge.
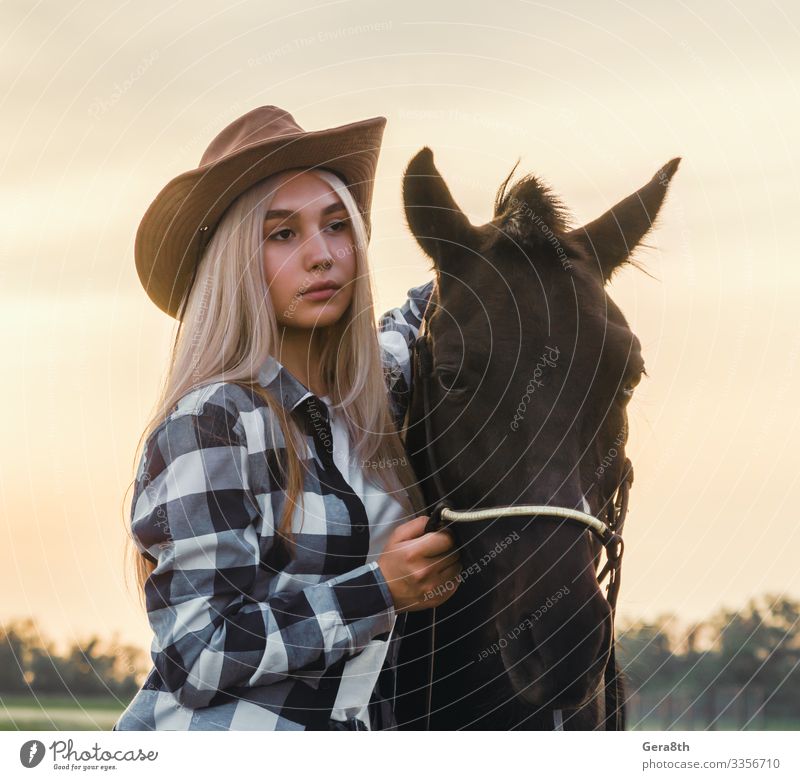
(229, 328)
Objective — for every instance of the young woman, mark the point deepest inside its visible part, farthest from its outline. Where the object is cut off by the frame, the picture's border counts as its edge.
(275, 517)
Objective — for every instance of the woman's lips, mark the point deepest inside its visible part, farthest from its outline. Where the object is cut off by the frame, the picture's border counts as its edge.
(321, 295)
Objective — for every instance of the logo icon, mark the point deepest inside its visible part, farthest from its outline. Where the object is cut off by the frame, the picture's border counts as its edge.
(31, 753)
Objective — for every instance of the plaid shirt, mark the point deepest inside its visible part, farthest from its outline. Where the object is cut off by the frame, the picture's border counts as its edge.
(244, 637)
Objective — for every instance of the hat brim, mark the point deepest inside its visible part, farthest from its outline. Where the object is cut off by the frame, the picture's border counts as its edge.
(169, 237)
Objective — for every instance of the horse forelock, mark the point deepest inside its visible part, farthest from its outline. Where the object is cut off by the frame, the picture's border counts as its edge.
(530, 209)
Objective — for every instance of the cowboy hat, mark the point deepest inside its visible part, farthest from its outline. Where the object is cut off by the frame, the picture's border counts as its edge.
(178, 224)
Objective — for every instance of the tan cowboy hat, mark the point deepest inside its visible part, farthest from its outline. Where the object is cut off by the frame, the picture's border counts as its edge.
(178, 224)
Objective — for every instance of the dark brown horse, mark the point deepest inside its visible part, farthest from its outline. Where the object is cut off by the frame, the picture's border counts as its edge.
(533, 366)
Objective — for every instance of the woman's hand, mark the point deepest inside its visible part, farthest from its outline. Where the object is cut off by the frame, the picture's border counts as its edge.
(421, 569)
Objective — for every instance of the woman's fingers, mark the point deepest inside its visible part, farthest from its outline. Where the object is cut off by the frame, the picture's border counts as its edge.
(418, 566)
(451, 573)
(448, 562)
(447, 584)
(410, 530)
(436, 543)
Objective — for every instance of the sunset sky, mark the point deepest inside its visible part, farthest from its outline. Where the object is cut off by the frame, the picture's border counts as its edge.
(102, 105)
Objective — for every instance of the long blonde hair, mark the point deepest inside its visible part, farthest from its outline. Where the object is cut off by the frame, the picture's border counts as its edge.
(229, 328)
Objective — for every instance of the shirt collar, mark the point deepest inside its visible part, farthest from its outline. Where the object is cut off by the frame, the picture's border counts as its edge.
(283, 385)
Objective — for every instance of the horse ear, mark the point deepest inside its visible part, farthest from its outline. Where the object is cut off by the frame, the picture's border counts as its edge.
(610, 239)
(432, 214)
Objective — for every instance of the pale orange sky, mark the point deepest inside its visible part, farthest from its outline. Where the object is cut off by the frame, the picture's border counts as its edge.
(101, 107)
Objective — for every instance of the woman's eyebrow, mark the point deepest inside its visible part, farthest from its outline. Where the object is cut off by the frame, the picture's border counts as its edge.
(286, 214)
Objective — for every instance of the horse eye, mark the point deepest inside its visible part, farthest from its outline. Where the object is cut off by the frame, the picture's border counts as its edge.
(630, 385)
(447, 380)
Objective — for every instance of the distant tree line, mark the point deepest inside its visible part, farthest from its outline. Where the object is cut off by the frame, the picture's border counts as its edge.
(753, 650)
(30, 664)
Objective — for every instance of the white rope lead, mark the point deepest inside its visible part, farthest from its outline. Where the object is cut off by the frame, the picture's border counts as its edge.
(474, 515)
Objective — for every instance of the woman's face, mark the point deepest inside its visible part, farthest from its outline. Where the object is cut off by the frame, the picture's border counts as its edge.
(308, 241)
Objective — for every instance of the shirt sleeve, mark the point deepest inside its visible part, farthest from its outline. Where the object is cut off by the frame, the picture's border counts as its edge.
(196, 517)
(398, 329)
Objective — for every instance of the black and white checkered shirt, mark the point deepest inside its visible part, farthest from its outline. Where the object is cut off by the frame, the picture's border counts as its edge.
(244, 637)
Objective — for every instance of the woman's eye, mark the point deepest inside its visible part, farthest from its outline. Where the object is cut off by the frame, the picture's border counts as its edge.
(337, 226)
(278, 232)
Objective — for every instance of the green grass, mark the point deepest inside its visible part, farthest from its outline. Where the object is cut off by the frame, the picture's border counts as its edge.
(62, 713)
(58, 713)
(767, 724)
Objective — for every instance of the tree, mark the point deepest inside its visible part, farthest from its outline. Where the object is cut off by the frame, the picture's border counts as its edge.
(29, 663)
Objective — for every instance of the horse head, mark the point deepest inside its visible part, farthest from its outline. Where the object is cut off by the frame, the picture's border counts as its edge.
(532, 367)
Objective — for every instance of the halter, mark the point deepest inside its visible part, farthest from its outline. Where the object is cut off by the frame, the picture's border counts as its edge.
(609, 534)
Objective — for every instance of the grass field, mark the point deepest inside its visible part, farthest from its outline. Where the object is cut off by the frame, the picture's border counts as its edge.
(23, 713)
(767, 724)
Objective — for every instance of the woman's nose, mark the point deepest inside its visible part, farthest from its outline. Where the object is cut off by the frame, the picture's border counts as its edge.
(316, 251)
